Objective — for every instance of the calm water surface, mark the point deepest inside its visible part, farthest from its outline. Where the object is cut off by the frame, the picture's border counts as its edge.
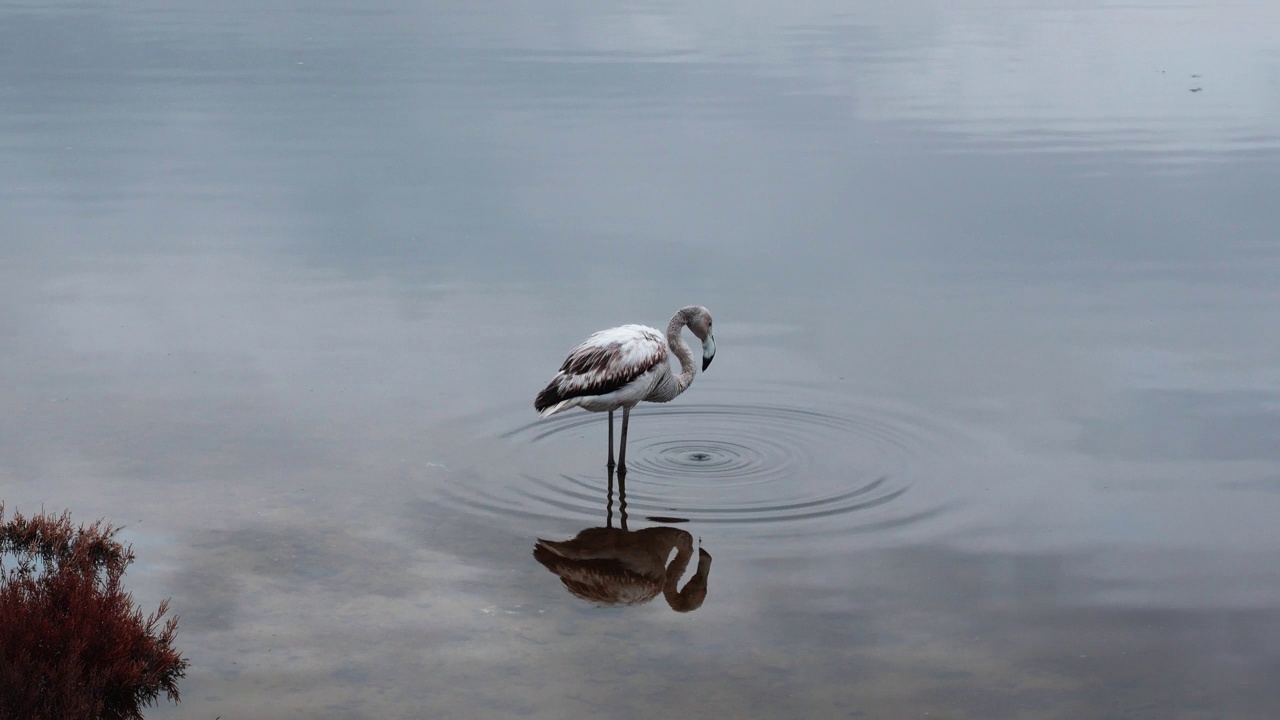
(992, 431)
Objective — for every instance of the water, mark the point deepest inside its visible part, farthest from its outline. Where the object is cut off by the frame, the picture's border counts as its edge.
(990, 431)
(775, 471)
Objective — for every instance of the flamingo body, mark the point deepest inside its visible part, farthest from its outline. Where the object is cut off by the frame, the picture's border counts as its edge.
(613, 368)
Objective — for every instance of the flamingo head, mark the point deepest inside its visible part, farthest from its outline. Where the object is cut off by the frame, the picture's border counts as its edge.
(700, 325)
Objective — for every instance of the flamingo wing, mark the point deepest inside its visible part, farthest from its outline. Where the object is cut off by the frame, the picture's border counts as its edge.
(606, 362)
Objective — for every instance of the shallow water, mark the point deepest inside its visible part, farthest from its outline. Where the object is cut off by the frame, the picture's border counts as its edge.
(991, 431)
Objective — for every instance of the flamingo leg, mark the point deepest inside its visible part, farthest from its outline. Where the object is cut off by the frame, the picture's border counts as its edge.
(622, 451)
(610, 464)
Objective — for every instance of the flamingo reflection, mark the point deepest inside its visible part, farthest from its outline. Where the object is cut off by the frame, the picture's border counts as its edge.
(618, 566)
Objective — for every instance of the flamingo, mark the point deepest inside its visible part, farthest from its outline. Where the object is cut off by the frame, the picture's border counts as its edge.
(619, 367)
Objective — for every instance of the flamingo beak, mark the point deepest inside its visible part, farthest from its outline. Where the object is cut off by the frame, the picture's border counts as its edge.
(708, 351)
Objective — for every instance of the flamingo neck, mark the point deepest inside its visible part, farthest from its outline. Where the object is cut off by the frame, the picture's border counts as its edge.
(676, 342)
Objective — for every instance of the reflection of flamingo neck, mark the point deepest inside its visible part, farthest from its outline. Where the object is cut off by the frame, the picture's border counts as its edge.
(695, 591)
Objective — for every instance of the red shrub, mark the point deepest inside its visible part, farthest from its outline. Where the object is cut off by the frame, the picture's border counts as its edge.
(72, 645)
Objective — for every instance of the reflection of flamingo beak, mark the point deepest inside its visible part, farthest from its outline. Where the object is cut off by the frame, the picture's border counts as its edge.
(704, 560)
(708, 350)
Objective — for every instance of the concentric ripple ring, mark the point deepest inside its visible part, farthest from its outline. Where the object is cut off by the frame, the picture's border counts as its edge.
(810, 468)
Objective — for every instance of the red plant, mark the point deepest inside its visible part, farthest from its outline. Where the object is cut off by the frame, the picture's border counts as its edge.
(72, 644)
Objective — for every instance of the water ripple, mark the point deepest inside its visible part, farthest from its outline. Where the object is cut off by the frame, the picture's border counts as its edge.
(759, 469)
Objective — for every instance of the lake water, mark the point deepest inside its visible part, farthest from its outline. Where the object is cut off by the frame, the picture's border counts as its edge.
(993, 430)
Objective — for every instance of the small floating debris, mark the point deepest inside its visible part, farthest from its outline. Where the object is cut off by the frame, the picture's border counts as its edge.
(1196, 89)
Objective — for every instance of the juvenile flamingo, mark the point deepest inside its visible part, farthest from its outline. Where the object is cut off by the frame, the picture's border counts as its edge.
(619, 367)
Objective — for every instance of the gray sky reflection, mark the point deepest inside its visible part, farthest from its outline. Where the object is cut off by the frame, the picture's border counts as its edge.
(911, 630)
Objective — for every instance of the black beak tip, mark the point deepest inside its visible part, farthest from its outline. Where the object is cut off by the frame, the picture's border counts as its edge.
(706, 361)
